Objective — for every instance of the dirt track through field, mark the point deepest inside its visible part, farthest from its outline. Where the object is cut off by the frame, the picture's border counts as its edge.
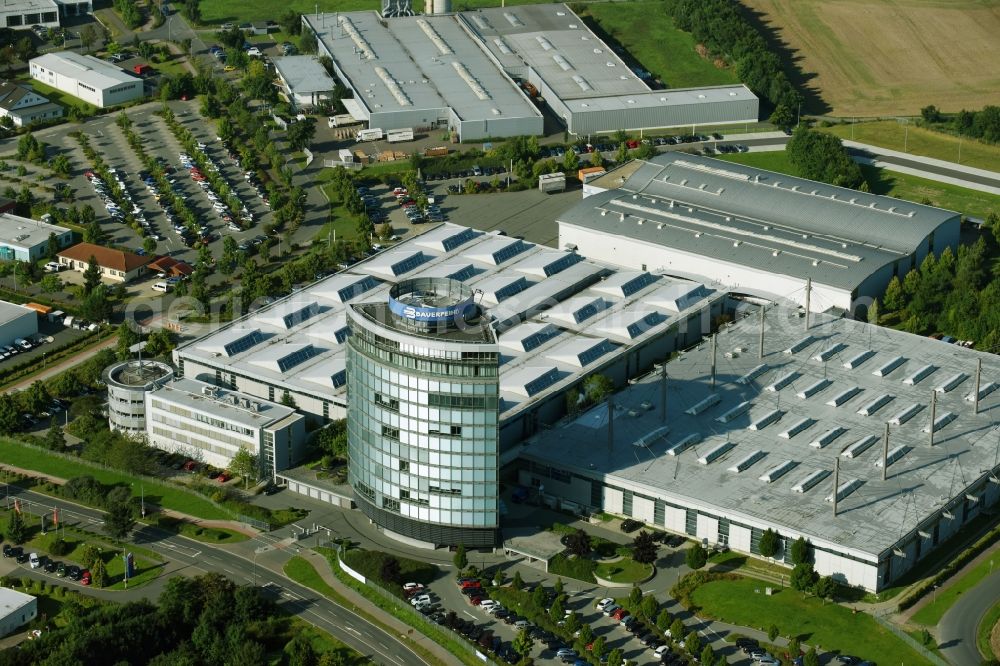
(885, 57)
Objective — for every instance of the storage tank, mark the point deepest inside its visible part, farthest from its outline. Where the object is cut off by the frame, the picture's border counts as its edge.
(442, 6)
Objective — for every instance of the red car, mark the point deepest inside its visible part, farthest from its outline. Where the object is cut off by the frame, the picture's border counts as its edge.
(223, 477)
(632, 143)
(85, 577)
(190, 465)
(466, 584)
(475, 601)
(619, 614)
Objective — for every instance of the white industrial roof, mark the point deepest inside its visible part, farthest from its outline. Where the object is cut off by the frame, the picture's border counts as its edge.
(11, 311)
(312, 348)
(303, 74)
(224, 403)
(800, 413)
(418, 63)
(23, 232)
(85, 69)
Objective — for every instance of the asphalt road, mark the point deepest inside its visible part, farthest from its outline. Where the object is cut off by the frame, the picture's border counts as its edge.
(338, 621)
(957, 629)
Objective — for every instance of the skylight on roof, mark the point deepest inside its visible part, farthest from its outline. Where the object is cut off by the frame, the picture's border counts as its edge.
(747, 461)
(684, 444)
(243, 343)
(810, 481)
(777, 471)
(845, 489)
(797, 427)
(783, 381)
(734, 412)
(704, 404)
(753, 374)
(716, 452)
(860, 446)
(889, 366)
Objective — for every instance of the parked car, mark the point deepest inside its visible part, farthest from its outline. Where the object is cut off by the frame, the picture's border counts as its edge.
(34, 561)
(629, 525)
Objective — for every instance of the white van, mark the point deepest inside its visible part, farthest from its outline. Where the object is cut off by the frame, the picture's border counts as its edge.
(161, 286)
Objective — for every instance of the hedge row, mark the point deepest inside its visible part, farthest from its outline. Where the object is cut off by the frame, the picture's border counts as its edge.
(949, 570)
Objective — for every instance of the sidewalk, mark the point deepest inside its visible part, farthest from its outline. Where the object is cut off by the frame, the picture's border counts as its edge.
(65, 364)
(403, 630)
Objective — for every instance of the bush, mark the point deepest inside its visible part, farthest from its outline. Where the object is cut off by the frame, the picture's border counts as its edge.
(580, 568)
(372, 565)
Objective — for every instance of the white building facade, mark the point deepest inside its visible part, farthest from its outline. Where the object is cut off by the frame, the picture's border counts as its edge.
(16, 610)
(87, 78)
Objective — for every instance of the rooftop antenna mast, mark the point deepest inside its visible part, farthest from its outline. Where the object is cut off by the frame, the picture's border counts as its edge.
(885, 450)
(663, 392)
(611, 424)
(715, 337)
(836, 483)
(933, 418)
(760, 344)
(809, 284)
(975, 394)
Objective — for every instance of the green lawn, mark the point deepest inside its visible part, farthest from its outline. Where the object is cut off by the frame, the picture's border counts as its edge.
(986, 629)
(742, 601)
(301, 571)
(62, 98)
(624, 571)
(369, 564)
(920, 141)
(941, 601)
(651, 37)
(161, 494)
(899, 185)
(214, 535)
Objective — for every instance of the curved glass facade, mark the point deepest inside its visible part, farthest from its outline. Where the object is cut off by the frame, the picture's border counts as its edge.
(422, 428)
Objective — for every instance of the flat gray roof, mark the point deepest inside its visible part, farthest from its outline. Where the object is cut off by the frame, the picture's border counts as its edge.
(10, 6)
(23, 232)
(574, 62)
(759, 218)
(417, 63)
(12, 311)
(299, 341)
(303, 74)
(85, 68)
(219, 402)
(805, 406)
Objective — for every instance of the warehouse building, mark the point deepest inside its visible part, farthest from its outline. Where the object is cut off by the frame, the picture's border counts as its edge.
(304, 81)
(762, 442)
(19, 14)
(24, 239)
(424, 73)
(16, 610)
(584, 81)
(758, 232)
(211, 424)
(16, 322)
(87, 78)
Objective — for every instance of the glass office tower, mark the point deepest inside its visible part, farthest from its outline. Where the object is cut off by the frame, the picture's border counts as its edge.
(422, 374)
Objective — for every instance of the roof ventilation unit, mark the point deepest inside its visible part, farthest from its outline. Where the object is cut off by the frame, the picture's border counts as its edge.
(766, 420)
(829, 352)
(941, 421)
(983, 392)
(952, 382)
(845, 489)
(800, 345)
(753, 374)
(893, 455)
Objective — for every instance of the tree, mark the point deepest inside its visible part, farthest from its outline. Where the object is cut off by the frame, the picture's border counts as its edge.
(649, 607)
(523, 643)
(96, 306)
(556, 610)
(99, 573)
(572, 622)
(246, 465)
(460, 560)
(52, 247)
(119, 519)
(88, 35)
(558, 587)
(17, 532)
(634, 597)
(802, 577)
(36, 398)
(300, 650)
(708, 655)
(92, 232)
(822, 156)
(89, 555)
(773, 632)
(301, 133)
(663, 620)
(55, 440)
(307, 42)
(291, 22)
(600, 645)
(10, 416)
(586, 634)
(538, 596)
(677, 629)
(391, 571)
(894, 299)
(930, 114)
(692, 643)
(159, 342)
(571, 161)
(578, 543)
(615, 657)
(25, 49)
(800, 551)
(825, 588)
(596, 159)
(696, 556)
(149, 244)
(811, 658)
(91, 276)
(192, 11)
(644, 548)
(782, 117)
(597, 388)
(127, 337)
(51, 283)
(621, 155)
(517, 582)
(873, 313)
(794, 646)
(769, 542)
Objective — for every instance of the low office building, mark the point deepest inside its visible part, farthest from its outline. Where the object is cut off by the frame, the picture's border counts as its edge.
(128, 383)
(87, 78)
(76, 7)
(16, 322)
(876, 446)
(304, 80)
(211, 424)
(18, 14)
(16, 610)
(24, 239)
(24, 106)
(757, 232)
(115, 265)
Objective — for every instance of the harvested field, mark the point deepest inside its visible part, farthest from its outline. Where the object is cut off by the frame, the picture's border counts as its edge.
(891, 57)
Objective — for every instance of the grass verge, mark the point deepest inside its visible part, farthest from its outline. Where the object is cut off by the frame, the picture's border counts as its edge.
(985, 630)
(156, 492)
(214, 535)
(890, 183)
(304, 573)
(369, 564)
(406, 614)
(624, 571)
(942, 600)
(920, 141)
(741, 601)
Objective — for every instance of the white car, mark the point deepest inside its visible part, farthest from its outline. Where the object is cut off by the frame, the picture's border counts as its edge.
(412, 586)
(254, 52)
(494, 609)
(420, 598)
(34, 561)
(604, 603)
(662, 650)
(487, 604)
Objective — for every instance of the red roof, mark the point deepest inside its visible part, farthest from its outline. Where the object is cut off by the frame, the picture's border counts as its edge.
(170, 266)
(106, 257)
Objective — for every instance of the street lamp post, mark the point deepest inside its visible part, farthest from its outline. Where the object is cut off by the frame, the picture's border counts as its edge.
(255, 554)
